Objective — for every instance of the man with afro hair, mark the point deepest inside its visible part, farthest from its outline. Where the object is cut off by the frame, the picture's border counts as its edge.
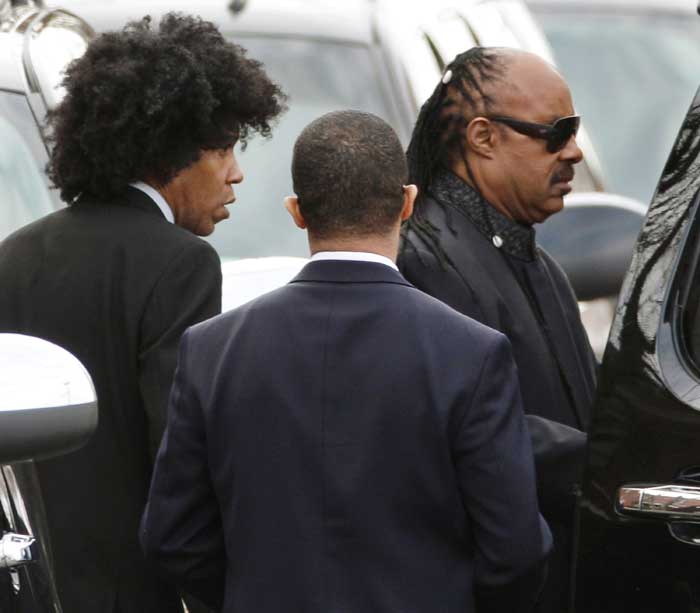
(143, 155)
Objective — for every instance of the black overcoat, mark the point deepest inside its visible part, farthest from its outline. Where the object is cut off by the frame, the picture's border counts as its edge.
(116, 285)
(532, 303)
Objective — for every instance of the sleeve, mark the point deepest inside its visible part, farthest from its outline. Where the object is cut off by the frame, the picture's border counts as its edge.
(496, 475)
(560, 456)
(188, 292)
(181, 529)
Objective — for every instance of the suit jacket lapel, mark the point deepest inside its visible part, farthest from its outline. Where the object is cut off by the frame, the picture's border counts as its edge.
(489, 270)
(565, 352)
(484, 274)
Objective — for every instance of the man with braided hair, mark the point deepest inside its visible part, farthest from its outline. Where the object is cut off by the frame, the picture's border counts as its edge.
(492, 154)
(143, 154)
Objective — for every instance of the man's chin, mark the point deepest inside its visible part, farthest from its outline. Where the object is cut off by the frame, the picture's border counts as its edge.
(205, 229)
(221, 214)
(208, 229)
(552, 206)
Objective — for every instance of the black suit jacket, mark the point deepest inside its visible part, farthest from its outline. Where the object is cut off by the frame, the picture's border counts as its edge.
(116, 285)
(347, 444)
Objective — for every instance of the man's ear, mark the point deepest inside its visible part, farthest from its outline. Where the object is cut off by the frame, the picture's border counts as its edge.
(291, 203)
(409, 198)
(480, 135)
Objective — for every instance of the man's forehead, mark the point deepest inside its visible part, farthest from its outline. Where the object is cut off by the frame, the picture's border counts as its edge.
(533, 89)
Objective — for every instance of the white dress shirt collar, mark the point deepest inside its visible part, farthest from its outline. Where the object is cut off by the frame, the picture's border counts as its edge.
(353, 256)
(157, 198)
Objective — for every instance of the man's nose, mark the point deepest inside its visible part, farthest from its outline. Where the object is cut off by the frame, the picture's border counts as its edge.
(571, 152)
(235, 174)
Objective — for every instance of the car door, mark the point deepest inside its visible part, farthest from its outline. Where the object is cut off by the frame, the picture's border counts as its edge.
(47, 407)
(24, 588)
(639, 514)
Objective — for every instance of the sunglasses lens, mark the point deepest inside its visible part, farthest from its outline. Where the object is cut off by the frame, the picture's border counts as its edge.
(561, 133)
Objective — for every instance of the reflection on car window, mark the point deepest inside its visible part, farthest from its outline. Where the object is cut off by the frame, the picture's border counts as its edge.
(688, 311)
(691, 324)
(25, 196)
(632, 78)
(318, 77)
(667, 264)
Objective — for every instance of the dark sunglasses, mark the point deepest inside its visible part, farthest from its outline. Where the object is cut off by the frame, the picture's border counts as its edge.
(556, 135)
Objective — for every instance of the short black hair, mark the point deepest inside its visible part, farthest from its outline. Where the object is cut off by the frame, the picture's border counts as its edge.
(438, 134)
(143, 103)
(349, 170)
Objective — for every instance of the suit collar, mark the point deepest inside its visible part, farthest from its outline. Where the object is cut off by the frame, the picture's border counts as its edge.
(354, 256)
(130, 197)
(338, 271)
(137, 199)
(157, 197)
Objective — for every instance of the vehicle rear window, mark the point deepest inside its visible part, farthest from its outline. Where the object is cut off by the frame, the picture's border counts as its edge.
(633, 76)
(25, 196)
(318, 77)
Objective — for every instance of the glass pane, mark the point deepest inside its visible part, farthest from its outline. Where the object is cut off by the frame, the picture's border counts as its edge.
(318, 77)
(25, 196)
(632, 78)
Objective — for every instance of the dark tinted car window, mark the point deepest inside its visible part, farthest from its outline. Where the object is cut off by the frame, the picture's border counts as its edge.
(675, 234)
(25, 196)
(318, 77)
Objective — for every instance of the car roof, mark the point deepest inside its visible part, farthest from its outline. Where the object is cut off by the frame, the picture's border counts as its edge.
(618, 6)
(349, 20)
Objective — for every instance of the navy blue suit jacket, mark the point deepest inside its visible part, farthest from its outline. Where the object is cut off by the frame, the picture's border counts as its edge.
(348, 444)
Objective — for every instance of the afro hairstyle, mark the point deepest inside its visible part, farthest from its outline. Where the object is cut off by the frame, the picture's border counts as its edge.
(141, 104)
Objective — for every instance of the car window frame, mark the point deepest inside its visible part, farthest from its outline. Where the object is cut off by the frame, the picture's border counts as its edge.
(678, 369)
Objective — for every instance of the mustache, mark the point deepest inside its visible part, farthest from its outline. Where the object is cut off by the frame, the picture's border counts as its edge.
(563, 175)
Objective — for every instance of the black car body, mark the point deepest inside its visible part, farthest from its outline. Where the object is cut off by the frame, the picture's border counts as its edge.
(639, 530)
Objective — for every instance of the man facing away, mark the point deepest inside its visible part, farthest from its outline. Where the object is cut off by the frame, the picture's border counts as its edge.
(347, 443)
(493, 153)
(143, 152)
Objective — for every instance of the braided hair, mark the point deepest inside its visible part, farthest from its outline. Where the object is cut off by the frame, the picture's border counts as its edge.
(439, 130)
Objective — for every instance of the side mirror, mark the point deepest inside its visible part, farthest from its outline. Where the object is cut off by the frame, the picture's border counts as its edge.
(47, 401)
(592, 239)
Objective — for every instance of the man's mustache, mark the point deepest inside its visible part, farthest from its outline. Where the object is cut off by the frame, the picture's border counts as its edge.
(564, 175)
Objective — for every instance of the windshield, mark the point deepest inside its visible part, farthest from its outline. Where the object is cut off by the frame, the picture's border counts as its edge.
(23, 191)
(318, 77)
(632, 78)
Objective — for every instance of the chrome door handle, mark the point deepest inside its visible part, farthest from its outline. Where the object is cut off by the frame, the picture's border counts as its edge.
(673, 502)
(17, 550)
